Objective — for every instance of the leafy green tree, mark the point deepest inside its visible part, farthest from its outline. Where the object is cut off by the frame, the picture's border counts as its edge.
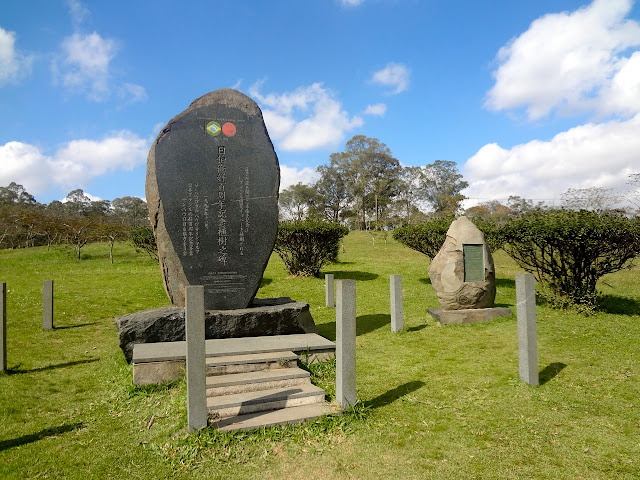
(132, 210)
(370, 172)
(441, 185)
(14, 193)
(297, 201)
(334, 197)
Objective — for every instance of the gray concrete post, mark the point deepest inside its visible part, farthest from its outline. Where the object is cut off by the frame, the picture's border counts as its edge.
(47, 305)
(196, 368)
(346, 342)
(527, 330)
(3, 327)
(328, 290)
(396, 302)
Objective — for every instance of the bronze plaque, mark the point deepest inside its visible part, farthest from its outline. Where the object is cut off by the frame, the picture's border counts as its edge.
(473, 263)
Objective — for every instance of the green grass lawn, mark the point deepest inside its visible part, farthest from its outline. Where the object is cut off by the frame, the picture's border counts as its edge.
(435, 402)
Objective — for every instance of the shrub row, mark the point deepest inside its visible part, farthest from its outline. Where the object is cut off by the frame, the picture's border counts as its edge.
(566, 250)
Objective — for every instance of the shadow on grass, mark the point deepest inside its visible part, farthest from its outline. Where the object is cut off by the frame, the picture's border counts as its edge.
(352, 275)
(618, 305)
(265, 281)
(550, 371)
(426, 281)
(505, 282)
(34, 437)
(364, 324)
(394, 394)
(417, 328)
(75, 326)
(16, 370)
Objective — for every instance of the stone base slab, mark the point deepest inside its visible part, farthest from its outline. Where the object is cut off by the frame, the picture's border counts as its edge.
(271, 316)
(469, 315)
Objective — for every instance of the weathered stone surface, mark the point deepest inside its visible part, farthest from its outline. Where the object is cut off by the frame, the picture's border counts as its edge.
(468, 315)
(212, 191)
(272, 316)
(447, 269)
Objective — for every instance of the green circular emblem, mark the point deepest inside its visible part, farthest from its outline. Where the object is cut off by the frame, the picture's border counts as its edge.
(213, 129)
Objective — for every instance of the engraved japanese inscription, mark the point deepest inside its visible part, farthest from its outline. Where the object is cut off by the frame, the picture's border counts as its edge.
(212, 190)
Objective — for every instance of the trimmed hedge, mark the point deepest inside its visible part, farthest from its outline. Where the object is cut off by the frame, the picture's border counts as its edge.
(568, 251)
(428, 237)
(305, 246)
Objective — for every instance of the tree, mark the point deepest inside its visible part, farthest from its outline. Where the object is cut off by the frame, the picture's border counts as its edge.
(597, 199)
(409, 191)
(333, 195)
(77, 203)
(297, 201)
(370, 172)
(78, 231)
(112, 230)
(441, 185)
(132, 210)
(14, 193)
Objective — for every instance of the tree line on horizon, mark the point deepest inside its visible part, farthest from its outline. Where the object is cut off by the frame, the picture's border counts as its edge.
(76, 221)
(366, 187)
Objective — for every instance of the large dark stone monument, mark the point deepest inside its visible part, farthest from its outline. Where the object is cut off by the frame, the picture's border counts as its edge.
(212, 191)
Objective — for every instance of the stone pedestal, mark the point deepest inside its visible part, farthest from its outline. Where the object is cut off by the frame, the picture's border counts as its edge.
(468, 315)
(272, 316)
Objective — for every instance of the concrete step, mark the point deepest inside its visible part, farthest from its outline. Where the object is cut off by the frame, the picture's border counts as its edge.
(251, 362)
(252, 381)
(264, 400)
(283, 416)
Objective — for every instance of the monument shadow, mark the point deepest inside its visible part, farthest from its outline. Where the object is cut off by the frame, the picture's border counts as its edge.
(353, 275)
(549, 372)
(394, 394)
(364, 324)
(17, 370)
(34, 437)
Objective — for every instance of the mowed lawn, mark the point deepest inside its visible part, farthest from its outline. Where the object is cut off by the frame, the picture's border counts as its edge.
(434, 402)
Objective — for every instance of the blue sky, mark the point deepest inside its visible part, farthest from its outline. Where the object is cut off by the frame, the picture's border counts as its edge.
(528, 98)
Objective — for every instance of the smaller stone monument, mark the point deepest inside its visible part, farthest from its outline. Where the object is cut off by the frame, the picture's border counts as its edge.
(463, 276)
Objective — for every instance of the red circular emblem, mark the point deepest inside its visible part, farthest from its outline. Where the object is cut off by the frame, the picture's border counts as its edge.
(229, 129)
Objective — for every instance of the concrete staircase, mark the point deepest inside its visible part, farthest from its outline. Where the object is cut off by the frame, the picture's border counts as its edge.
(261, 389)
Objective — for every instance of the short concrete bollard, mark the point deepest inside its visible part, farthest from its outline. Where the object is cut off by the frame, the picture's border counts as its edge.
(346, 342)
(396, 303)
(328, 290)
(3, 327)
(47, 305)
(196, 364)
(527, 330)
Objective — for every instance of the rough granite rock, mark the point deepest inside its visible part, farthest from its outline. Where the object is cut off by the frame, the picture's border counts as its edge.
(272, 316)
(447, 270)
(212, 192)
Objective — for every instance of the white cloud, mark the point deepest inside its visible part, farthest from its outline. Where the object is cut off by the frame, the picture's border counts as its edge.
(351, 3)
(600, 155)
(13, 64)
(291, 175)
(86, 64)
(73, 165)
(306, 118)
(393, 75)
(77, 11)
(132, 93)
(572, 62)
(379, 109)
